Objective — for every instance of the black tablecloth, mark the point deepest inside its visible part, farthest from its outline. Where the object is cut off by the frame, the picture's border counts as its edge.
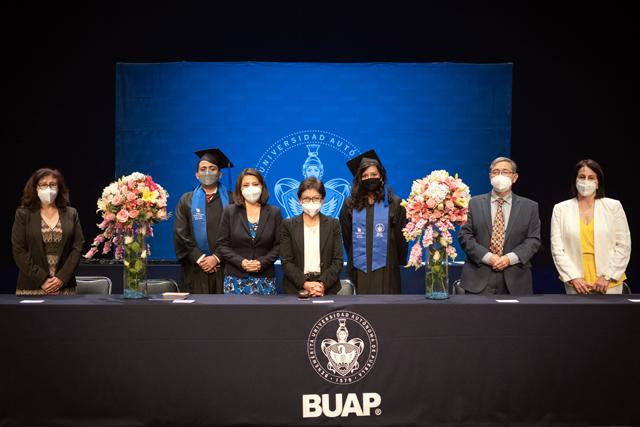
(230, 360)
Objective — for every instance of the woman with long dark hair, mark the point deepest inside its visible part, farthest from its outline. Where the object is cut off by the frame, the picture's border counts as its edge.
(590, 239)
(372, 220)
(46, 237)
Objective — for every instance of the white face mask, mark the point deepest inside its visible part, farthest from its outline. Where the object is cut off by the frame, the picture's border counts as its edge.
(501, 183)
(311, 208)
(251, 194)
(586, 188)
(47, 195)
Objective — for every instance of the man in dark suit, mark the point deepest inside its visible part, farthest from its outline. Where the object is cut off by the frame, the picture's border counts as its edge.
(500, 237)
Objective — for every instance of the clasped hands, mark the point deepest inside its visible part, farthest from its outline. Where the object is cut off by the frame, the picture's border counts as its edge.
(315, 289)
(499, 263)
(583, 287)
(251, 265)
(52, 286)
(209, 264)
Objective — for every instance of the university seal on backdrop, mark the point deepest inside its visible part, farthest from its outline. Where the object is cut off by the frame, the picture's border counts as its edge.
(301, 155)
(342, 347)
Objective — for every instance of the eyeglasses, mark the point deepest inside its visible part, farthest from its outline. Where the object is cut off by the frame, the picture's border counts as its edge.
(504, 172)
(51, 185)
(316, 199)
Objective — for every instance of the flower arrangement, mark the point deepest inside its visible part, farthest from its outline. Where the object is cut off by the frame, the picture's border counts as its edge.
(129, 207)
(437, 203)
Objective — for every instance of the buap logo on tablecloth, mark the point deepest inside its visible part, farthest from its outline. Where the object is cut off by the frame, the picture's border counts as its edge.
(316, 151)
(342, 349)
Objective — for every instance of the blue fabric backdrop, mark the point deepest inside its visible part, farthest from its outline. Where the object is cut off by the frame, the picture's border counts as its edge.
(292, 120)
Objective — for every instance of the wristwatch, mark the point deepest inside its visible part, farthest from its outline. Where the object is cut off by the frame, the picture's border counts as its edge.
(607, 278)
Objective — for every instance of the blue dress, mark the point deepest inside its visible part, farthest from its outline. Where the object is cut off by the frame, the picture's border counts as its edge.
(252, 284)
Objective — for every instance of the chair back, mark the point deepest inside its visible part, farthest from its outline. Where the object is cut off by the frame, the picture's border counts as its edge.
(346, 287)
(456, 288)
(158, 286)
(93, 285)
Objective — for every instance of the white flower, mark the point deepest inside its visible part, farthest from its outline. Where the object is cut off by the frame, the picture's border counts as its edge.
(128, 240)
(438, 192)
(143, 255)
(438, 175)
(136, 176)
(110, 191)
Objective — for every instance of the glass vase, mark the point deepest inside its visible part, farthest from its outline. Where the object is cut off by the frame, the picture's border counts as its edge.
(436, 280)
(135, 263)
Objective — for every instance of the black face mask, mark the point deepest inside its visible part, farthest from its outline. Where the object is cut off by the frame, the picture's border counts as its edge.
(371, 184)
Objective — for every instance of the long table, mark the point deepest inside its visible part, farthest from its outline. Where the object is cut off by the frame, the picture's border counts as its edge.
(352, 360)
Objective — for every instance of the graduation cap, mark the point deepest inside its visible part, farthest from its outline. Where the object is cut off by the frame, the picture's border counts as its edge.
(369, 156)
(215, 156)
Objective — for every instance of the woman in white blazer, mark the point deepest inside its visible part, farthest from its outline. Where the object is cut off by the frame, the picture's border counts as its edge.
(590, 239)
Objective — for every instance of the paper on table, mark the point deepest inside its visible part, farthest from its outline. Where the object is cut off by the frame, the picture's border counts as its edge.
(183, 301)
(322, 301)
(31, 301)
(634, 300)
(507, 300)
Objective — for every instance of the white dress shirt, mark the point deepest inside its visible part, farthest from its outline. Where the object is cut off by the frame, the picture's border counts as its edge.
(312, 248)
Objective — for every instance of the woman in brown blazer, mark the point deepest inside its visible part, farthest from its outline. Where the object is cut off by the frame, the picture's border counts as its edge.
(46, 237)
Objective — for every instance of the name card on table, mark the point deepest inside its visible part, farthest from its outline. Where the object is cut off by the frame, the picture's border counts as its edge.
(31, 301)
(508, 300)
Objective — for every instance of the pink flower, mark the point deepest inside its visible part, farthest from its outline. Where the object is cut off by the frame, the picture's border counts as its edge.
(131, 196)
(91, 252)
(451, 251)
(117, 200)
(133, 213)
(106, 248)
(123, 215)
(415, 256)
(161, 214)
(109, 216)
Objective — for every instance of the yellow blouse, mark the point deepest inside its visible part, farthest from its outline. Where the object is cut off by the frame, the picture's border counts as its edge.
(588, 255)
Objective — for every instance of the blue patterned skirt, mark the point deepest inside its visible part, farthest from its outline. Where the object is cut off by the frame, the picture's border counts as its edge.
(249, 285)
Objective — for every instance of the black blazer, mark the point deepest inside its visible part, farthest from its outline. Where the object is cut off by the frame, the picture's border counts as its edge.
(235, 244)
(292, 254)
(28, 248)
